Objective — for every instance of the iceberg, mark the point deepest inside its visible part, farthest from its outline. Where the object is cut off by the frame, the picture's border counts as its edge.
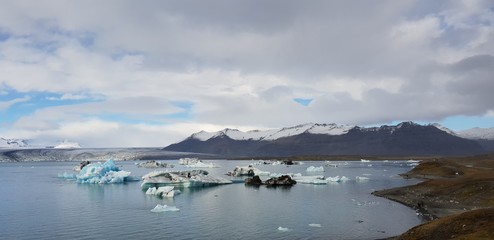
(154, 164)
(337, 179)
(195, 163)
(188, 161)
(167, 191)
(164, 208)
(247, 171)
(192, 178)
(315, 225)
(315, 169)
(319, 179)
(361, 179)
(283, 229)
(102, 173)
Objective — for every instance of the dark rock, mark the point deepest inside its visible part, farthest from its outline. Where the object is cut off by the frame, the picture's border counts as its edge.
(283, 180)
(288, 162)
(254, 181)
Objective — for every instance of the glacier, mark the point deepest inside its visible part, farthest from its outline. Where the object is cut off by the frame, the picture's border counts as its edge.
(100, 173)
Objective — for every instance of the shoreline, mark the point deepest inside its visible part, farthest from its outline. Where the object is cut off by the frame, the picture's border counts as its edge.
(453, 190)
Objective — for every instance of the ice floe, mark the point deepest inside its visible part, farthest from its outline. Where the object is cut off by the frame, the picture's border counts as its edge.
(166, 191)
(319, 179)
(192, 178)
(154, 164)
(195, 163)
(283, 229)
(249, 171)
(361, 179)
(100, 173)
(164, 208)
(315, 169)
(337, 179)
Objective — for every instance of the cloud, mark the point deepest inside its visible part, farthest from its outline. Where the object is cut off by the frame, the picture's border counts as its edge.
(149, 68)
(7, 104)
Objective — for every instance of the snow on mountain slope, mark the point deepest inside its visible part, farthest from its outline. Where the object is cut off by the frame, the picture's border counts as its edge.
(13, 143)
(443, 128)
(273, 134)
(477, 133)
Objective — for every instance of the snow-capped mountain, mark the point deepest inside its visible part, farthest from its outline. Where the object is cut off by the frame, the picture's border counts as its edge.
(477, 133)
(443, 128)
(404, 139)
(311, 128)
(273, 134)
(13, 143)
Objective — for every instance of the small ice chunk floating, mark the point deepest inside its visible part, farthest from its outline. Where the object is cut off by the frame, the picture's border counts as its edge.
(166, 191)
(164, 208)
(315, 169)
(100, 173)
(185, 179)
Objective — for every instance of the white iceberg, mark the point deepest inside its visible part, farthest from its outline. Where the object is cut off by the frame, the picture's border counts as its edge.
(315, 225)
(166, 191)
(192, 178)
(164, 208)
(283, 229)
(195, 163)
(361, 179)
(247, 171)
(100, 173)
(201, 164)
(337, 179)
(188, 161)
(315, 169)
(364, 160)
(319, 179)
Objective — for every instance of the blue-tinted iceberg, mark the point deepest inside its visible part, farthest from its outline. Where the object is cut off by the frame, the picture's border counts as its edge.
(100, 173)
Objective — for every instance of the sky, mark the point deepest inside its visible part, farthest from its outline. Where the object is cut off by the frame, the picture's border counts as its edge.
(123, 73)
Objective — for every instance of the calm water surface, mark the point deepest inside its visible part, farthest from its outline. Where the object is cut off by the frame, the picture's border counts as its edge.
(36, 204)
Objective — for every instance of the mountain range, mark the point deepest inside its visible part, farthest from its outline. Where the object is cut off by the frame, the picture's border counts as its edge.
(404, 139)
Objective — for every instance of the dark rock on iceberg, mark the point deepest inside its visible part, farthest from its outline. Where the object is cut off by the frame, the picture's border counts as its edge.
(283, 180)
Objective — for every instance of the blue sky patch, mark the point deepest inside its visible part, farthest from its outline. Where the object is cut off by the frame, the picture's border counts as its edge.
(185, 114)
(303, 101)
(33, 101)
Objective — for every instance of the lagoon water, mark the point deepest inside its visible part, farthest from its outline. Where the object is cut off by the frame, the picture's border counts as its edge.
(36, 204)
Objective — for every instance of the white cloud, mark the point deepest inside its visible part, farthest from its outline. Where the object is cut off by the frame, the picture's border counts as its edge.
(239, 65)
(7, 104)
